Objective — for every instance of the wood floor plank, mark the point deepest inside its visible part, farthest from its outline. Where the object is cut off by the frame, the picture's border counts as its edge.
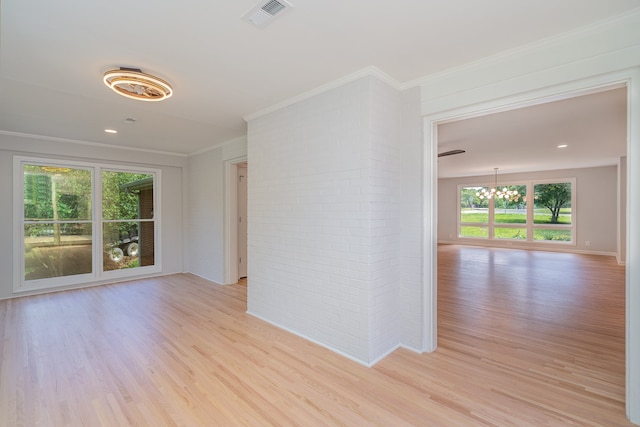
(525, 339)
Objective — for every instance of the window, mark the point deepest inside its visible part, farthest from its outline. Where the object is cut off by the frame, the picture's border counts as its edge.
(127, 220)
(548, 216)
(78, 222)
(510, 214)
(474, 213)
(553, 216)
(57, 221)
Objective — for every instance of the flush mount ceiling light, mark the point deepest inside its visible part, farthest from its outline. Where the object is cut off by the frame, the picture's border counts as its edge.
(134, 84)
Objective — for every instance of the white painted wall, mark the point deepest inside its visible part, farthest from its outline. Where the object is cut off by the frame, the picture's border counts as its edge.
(552, 69)
(411, 224)
(384, 185)
(596, 208)
(570, 57)
(205, 225)
(172, 168)
(622, 210)
(325, 218)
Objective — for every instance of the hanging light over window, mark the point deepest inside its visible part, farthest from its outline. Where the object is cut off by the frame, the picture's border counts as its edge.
(494, 192)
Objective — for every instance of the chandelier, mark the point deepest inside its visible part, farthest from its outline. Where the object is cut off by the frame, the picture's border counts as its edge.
(504, 194)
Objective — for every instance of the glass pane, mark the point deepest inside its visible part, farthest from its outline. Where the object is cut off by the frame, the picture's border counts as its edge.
(128, 245)
(127, 195)
(552, 203)
(511, 209)
(510, 233)
(53, 193)
(470, 231)
(474, 207)
(54, 250)
(552, 235)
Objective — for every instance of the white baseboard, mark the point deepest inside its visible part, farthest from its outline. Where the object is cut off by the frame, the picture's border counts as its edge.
(532, 247)
(328, 347)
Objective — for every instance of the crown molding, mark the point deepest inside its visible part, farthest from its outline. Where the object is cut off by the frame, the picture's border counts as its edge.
(92, 144)
(370, 71)
(373, 71)
(523, 50)
(219, 145)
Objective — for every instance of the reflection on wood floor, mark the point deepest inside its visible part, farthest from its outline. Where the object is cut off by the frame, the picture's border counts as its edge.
(545, 331)
(526, 339)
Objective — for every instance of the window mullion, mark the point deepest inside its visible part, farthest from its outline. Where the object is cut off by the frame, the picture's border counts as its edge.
(97, 222)
(492, 218)
(530, 211)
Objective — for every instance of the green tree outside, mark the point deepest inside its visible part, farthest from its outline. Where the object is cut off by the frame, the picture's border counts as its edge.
(555, 197)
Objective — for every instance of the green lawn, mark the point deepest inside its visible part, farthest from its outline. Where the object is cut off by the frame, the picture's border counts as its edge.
(557, 235)
(541, 216)
(513, 218)
(516, 233)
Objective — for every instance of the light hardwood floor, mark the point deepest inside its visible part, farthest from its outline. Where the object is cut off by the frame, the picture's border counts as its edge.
(526, 339)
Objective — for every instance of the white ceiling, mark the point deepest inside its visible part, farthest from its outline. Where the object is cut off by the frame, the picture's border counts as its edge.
(53, 55)
(594, 128)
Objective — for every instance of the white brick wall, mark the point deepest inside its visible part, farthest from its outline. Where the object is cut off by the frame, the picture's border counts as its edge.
(411, 152)
(384, 184)
(308, 219)
(325, 218)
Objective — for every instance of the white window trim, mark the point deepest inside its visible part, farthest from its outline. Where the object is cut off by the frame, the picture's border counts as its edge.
(529, 226)
(97, 275)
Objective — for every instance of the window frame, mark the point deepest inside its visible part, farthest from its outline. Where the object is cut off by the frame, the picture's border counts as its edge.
(97, 275)
(529, 226)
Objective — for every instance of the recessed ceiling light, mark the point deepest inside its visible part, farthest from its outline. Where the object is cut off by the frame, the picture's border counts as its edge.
(563, 146)
(111, 131)
(134, 84)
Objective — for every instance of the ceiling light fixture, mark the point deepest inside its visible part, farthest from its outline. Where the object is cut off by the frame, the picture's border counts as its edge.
(134, 84)
(111, 131)
(563, 146)
(505, 193)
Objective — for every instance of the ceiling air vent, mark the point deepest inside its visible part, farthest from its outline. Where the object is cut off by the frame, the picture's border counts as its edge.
(265, 12)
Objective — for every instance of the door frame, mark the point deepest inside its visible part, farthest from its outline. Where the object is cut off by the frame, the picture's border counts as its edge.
(230, 275)
(242, 201)
(629, 78)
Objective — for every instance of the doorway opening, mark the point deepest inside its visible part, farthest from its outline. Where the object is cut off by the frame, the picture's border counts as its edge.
(235, 220)
(561, 92)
